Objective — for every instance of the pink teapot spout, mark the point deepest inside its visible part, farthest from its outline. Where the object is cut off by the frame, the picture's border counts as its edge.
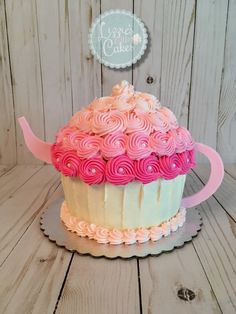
(38, 148)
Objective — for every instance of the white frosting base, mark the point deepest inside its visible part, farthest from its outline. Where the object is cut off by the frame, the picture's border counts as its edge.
(133, 205)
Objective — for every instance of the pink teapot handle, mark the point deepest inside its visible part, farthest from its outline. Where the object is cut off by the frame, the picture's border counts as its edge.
(214, 181)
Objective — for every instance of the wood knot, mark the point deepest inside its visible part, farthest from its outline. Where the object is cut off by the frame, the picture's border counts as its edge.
(150, 80)
(42, 260)
(186, 294)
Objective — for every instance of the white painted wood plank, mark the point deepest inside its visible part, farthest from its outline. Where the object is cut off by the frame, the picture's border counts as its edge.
(85, 70)
(226, 194)
(7, 121)
(14, 179)
(18, 211)
(110, 77)
(162, 277)
(226, 143)
(100, 286)
(207, 69)
(151, 13)
(53, 28)
(231, 169)
(31, 279)
(216, 248)
(25, 66)
(4, 169)
(177, 46)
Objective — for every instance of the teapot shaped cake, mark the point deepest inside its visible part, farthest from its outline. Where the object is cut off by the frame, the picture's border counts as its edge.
(123, 161)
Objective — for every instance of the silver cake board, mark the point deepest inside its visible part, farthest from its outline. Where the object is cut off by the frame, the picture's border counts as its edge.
(56, 231)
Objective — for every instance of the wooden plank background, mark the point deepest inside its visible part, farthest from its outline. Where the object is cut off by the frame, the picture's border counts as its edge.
(47, 71)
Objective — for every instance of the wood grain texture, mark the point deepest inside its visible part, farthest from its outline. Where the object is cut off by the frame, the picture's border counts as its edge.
(231, 169)
(53, 29)
(161, 278)
(207, 69)
(11, 181)
(151, 13)
(226, 194)
(177, 46)
(5, 168)
(31, 279)
(226, 143)
(25, 68)
(110, 77)
(85, 70)
(216, 248)
(100, 286)
(7, 119)
(23, 206)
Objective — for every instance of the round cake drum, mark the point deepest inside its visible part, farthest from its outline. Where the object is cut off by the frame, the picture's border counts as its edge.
(55, 230)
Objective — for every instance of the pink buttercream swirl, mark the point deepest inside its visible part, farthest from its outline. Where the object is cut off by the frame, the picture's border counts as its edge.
(71, 140)
(64, 133)
(82, 120)
(122, 88)
(183, 140)
(120, 170)
(169, 116)
(138, 123)
(163, 143)
(70, 164)
(116, 236)
(147, 169)
(56, 155)
(145, 102)
(92, 171)
(102, 104)
(108, 122)
(138, 146)
(122, 103)
(89, 146)
(113, 145)
(170, 166)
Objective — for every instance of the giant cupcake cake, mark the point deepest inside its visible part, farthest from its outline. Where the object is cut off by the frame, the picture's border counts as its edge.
(123, 161)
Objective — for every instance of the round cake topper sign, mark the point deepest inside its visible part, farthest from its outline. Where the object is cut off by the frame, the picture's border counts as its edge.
(118, 38)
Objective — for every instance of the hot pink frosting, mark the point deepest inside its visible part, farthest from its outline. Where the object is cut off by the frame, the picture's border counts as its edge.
(116, 236)
(70, 164)
(147, 169)
(92, 171)
(170, 167)
(113, 145)
(120, 170)
(138, 146)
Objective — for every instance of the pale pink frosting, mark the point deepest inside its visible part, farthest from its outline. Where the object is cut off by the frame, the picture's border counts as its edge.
(122, 103)
(129, 236)
(82, 120)
(101, 235)
(113, 145)
(120, 170)
(160, 122)
(169, 116)
(138, 146)
(108, 122)
(123, 88)
(163, 143)
(71, 140)
(89, 146)
(102, 104)
(92, 171)
(116, 236)
(183, 140)
(145, 102)
(147, 169)
(64, 133)
(138, 123)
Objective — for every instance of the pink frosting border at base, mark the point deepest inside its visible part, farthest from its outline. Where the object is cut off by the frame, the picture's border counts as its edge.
(116, 236)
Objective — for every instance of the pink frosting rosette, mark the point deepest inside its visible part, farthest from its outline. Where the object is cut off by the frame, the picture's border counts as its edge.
(115, 236)
(170, 166)
(113, 145)
(138, 123)
(101, 235)
(71, 140)
(138, 146)
(129, 236)
(160, 122)
(124, 88)
(147, 169)
(92, 171)
(81, 228)
(70, 164)
(120, 170)
(122, 103)
(64, 133)
(183, 140)
(91, 230)
(142, 235)
(56, 155)
(169, 116)
(185, 161)
(88, 146)
(82, 120)
(145, 102)
(102, 104)
(108, 122)
(163, 143)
